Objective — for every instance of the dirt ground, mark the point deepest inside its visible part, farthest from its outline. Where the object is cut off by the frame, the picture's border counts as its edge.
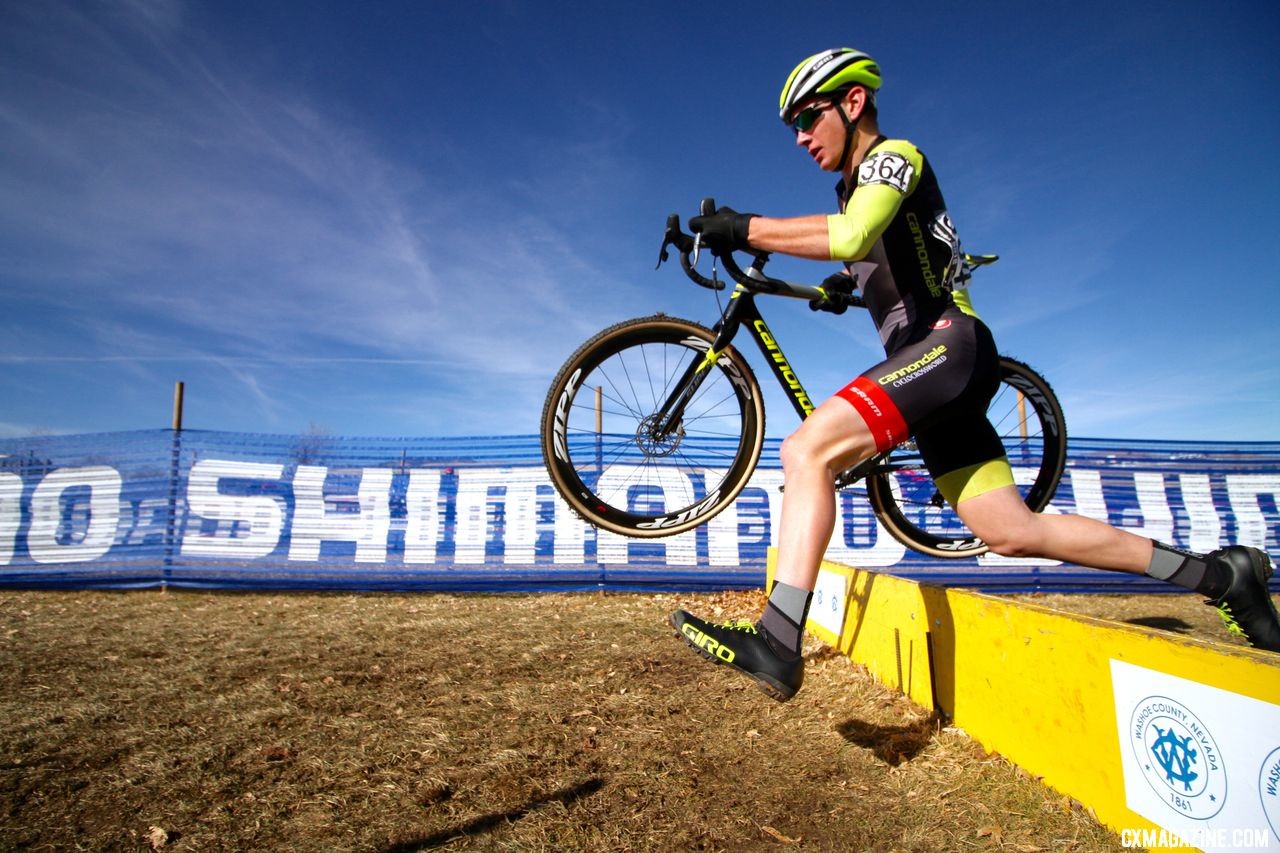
(1184, 614)
(203, 721)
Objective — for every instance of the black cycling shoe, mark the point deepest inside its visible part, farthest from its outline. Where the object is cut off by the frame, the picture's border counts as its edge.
(741, 645)
(1246, 606)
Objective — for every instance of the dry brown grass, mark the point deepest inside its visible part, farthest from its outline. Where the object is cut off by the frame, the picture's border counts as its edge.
(1177, 613)
(200, 721)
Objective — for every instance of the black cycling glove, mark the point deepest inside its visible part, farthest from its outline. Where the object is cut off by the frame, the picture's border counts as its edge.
(838, 287)
(723, 231)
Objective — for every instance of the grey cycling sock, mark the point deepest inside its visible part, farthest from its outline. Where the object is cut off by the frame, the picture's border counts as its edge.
(1187, 570)
(784, 616)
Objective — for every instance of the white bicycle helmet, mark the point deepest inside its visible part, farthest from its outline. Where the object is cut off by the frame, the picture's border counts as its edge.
(831, 71)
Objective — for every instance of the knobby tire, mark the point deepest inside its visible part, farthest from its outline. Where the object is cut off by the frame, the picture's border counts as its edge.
(613, 466)
(907, 503)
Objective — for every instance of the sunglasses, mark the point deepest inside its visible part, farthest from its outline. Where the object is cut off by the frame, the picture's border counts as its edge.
(808, 117)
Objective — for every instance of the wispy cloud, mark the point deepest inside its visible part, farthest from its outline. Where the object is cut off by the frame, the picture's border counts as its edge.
(151, 184)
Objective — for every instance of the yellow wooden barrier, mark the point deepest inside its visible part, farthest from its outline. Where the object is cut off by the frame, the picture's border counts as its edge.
(1172, 742)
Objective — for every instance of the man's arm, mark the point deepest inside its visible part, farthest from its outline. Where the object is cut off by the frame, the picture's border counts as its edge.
(844, 236)
(884, 180)
(803, 237)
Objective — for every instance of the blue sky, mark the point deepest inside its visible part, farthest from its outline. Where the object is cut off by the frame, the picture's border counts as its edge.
(399, 218)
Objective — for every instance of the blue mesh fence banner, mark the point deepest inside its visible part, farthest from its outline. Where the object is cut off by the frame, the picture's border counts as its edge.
(231, 510)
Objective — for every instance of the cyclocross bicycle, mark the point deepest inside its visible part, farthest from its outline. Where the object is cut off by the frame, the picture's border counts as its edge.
(656, 424)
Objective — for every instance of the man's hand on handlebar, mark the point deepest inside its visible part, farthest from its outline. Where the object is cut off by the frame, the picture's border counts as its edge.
(723, 231)
(839, 290)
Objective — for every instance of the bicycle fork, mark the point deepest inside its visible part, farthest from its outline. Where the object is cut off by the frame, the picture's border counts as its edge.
(668, 421)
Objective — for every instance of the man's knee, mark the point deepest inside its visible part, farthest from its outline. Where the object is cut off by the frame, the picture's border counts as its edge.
(1018, 540)
(830, 440)
(1012, 546)
(797, 452)
(1009, 534)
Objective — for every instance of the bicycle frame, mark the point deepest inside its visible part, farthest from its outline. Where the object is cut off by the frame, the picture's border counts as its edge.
(742, 312)
(661, 400)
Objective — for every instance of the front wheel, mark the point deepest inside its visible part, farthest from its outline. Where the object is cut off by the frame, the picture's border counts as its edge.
(645, 435)
(1028, 418)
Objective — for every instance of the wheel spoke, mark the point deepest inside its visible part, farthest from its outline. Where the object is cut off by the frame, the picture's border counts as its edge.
(623, 466)
(909, 504)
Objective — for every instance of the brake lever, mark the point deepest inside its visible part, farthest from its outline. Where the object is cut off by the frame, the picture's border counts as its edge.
(683, 243)
(668, 239)
(663, 257)
(706, 208)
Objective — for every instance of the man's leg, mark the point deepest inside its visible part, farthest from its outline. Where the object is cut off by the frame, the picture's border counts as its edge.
(830, 440)
(833, 438)
(1234, 578)
(1002, 520)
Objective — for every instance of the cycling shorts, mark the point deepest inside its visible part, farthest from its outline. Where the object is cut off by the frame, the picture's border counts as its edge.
(937, 387)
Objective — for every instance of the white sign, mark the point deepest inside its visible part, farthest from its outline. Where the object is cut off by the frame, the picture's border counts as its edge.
(829, 601)
(1199, 762)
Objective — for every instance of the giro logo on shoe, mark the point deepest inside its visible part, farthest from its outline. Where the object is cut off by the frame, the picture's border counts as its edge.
(707, 644)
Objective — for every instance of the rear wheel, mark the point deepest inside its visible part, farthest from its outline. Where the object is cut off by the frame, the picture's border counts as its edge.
(616, 455)
(1028, 417)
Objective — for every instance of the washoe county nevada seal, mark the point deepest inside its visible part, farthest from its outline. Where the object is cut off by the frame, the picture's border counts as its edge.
(1179, 757)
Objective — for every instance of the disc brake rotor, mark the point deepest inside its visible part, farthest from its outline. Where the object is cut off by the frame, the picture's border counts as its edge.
(653, 445)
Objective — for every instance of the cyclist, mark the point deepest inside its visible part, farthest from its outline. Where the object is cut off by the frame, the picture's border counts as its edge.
(897, 241)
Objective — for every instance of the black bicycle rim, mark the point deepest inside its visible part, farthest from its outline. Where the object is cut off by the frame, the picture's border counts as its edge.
(601, 445)
(1034, 434)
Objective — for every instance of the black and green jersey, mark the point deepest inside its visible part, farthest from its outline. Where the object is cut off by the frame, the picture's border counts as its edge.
(942, 366)
(894, 233)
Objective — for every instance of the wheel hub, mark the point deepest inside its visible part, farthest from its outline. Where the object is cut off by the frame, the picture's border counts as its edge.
(652, 444)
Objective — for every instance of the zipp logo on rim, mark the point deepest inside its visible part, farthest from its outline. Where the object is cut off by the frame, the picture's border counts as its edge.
(562, 415)
(963, 545)
(722, 360)
(1040, 401)
(689, 514)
